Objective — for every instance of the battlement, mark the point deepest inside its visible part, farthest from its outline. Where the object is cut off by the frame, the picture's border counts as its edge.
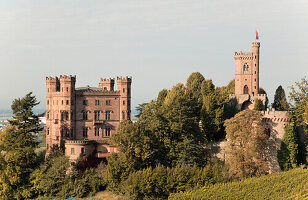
(77, 141)
(127, 78)
(49, 78)
(62, 77)
(68, 78)
(256, 44)
(107, 79)
(243, 53)
(276, 116)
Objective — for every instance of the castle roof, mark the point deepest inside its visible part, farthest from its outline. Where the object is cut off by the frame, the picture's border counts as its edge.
(89, 89)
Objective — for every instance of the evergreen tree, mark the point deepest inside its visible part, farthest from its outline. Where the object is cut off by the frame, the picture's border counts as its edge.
(280, 100)
(17, 146)
(289, 149)
(258, 105)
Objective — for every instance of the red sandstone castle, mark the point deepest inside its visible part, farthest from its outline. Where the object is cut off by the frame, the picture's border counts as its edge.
(81, 120)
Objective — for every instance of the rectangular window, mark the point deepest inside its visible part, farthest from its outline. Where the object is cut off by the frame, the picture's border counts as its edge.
(107, 132)
(82, 150)
(96, 115)
(123, 90)
(96, 133)
(47, 115)
(67, 89)
(123, 115)
(62, 102)
(47, 131)
(85, 102)
(108, 102)
(47, 102)
(108, 115)
(255, 80)
(72, 151)
(85, 115)
(96, 102)
(62, 116)
(67, 102)
(85, 132)
(66, 132)
(123, 102)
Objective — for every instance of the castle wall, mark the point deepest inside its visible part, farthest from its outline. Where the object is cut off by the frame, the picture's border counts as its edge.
(275, 122)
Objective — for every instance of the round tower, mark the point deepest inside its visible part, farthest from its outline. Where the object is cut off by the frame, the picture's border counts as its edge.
(255, 68)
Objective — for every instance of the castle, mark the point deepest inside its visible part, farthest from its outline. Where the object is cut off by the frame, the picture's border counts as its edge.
(82, 120)
(246, 93)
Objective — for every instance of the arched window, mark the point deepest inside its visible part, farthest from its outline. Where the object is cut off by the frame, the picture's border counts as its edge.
(245, 67)
(245, 89)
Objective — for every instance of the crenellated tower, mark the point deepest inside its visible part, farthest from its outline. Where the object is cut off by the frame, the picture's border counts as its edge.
(60, 107)
(247, 77)
(124, 86)
(107, 84)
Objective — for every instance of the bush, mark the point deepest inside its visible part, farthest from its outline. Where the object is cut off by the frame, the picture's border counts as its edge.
(159, 182)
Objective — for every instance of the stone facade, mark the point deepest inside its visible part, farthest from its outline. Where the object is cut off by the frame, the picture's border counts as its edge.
(81, 120)
(247, 78)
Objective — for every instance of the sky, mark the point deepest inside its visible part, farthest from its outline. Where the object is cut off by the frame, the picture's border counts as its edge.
(157, 42)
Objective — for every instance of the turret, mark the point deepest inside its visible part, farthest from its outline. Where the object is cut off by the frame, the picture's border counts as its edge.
(107, 84)
(255, 68)
(124, 86)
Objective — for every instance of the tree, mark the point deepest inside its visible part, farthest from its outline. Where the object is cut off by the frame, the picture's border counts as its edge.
(17, 146)
(289, 150)
(247, 144)
(299, 99)
(280, 100)
(140, 108)
(258, 105)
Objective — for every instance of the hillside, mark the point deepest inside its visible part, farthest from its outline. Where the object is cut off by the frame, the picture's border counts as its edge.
(284, 185)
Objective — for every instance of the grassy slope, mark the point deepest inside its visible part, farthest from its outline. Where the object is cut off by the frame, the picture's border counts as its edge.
(285, 185)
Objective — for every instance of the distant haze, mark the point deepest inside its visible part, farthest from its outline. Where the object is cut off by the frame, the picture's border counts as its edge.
(159, 43)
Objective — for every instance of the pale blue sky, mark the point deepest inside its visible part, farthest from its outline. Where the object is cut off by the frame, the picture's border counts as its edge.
(158, 42)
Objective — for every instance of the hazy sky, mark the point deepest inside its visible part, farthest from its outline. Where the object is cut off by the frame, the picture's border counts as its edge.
(157, 42)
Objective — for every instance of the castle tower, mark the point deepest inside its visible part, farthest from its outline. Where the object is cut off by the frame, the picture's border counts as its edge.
(59, 110)
(247, 71)
(124, 86)
(107, 84)
(247, 77)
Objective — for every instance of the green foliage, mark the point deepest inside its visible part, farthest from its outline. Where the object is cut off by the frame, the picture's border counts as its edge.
(216, 109)
(56, 178)
(258, 105)
(247, 139)
(17, 146)
(288, 155)
(167, 132)
(299, 99)
(285, 185)
(159, 182)
(280, 100)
